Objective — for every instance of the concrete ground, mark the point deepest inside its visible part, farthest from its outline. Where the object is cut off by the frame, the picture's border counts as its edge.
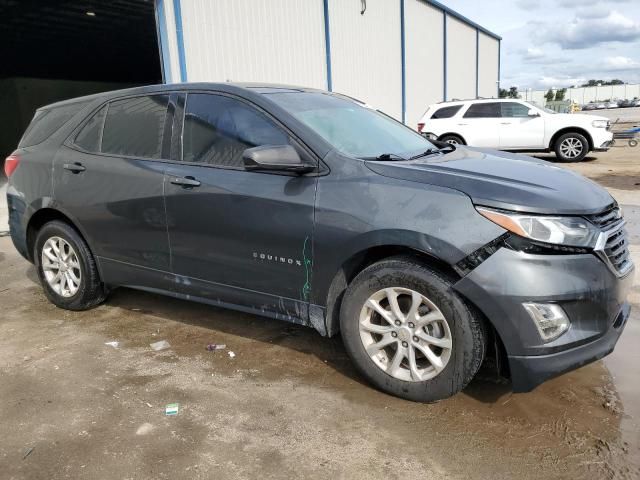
(289, 404)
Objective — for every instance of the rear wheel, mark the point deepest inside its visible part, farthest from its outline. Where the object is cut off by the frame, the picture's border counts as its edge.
(452, 139)
(66, 268)
(409, 333)
(571, 147)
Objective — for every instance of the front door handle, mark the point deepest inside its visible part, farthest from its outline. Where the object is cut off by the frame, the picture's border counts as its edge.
(462, 124)
(506, 123)
(185, 182)
(76, 167)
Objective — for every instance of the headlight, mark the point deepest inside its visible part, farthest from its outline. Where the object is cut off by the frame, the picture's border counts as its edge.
(569, 231)
(600, 123)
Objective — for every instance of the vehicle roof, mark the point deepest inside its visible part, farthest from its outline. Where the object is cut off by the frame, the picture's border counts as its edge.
(255, 88)
(477, 100)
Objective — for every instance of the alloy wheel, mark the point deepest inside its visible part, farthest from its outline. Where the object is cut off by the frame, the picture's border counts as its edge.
(405, 334)
(571, 147)
(61, 267)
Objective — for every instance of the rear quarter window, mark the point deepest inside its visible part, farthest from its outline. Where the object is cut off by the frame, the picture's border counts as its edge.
(446, 112)
(48, 121)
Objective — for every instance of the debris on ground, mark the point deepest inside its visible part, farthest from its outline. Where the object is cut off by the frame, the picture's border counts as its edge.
(232, 355)
(113, 344)
(215, 346)
(144, 429)
(172, 409)
(28, 452)
(161, 345)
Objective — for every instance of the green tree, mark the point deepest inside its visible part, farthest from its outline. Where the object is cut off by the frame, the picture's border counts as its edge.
(560, 94)
(513, 92)
(550, 96)
(503, 93)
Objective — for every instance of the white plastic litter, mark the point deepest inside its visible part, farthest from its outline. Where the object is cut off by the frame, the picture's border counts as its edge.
(231, 354)
(161, 345)
(113, 344)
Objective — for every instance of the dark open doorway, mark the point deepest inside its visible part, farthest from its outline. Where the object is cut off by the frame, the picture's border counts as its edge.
(53, 50)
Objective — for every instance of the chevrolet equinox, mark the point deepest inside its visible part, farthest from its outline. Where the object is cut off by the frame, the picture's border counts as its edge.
(314, 208)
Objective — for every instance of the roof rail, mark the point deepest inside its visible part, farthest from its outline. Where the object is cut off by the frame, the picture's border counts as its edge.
(467, 99)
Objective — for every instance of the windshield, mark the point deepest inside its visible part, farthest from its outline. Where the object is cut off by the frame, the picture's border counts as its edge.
(351, 127)
(544, 109)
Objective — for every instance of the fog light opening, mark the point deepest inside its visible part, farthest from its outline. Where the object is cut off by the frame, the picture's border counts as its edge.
(549, 318)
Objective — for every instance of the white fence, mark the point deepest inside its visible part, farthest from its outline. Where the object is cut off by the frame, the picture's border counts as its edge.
(584, 95)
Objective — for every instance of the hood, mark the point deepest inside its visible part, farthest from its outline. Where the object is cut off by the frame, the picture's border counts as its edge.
(504, 180)
(581, 118)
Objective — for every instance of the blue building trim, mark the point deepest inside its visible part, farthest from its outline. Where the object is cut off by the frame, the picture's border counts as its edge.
(444, 55)
(163, 46)
(477, 63)
(498, 82)
(177, 12)
(455, 14)
(327, 45)
(403, 59)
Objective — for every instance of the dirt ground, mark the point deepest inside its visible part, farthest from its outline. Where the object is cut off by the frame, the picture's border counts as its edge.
(289, 404)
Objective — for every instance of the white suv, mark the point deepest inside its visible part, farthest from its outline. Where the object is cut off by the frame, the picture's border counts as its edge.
(516, 125)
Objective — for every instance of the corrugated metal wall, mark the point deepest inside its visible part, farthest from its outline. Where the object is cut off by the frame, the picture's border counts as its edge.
(488, 65)
(329, 43)
(424, 58)
(366, 59)
(461, 60)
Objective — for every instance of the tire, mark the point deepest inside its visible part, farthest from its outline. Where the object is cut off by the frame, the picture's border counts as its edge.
(571, 147)
(633, 142)
(83, 293)
(465, 331)
(453, 139)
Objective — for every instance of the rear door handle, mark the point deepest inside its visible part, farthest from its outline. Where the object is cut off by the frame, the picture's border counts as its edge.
(76, 167)
(185, 182)
(506, 123)
(462, 124)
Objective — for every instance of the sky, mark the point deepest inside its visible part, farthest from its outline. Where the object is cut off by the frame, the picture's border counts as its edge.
(561, 43)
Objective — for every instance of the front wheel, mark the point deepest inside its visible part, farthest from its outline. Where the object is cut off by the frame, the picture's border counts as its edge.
(571, 147)
(66, 268)
(409, 333)
(452, 139)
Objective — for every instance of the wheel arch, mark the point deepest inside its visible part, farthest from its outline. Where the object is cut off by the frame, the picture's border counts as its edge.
(357, 262)
(43, 216)
(562, 131)
(464, 142)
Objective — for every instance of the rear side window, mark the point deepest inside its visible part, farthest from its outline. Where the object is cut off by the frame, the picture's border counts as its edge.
(483, 110)
(90, 137)
(514, 109)
(134, 127)
(46, 122)
(446, 112)
(218, 129)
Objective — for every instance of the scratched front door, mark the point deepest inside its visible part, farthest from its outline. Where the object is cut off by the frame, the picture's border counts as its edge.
(233, 233)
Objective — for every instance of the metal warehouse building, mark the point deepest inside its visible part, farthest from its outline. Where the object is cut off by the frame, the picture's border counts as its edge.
(398, 55)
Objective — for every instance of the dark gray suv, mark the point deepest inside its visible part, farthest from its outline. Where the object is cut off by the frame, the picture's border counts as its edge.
(311, 207)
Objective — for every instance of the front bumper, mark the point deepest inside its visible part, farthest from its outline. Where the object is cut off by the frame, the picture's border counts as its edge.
(527, 372)
(593, 298)
(602, 139)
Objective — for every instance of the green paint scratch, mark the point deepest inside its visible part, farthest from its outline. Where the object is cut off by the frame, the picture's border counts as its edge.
(306, 288)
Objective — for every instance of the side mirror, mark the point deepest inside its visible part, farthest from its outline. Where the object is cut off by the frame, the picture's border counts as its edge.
(278, 158)
(533, 113)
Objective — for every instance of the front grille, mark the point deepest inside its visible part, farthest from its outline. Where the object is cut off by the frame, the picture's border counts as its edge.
(606, 219)
(613, 245)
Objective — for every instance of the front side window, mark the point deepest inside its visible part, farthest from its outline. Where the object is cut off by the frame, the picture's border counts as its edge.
(514, 109)
(350, 127)
(134, 127)
(483, 110)
(218, 129)
(446, 112)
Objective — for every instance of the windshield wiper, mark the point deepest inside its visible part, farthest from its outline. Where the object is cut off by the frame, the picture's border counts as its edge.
(385, 157)
(430, 151)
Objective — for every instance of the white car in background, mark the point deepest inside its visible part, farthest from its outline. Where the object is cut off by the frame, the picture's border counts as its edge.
(516, 125)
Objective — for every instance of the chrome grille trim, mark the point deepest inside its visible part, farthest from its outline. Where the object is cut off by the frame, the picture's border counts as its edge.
(612, 247)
